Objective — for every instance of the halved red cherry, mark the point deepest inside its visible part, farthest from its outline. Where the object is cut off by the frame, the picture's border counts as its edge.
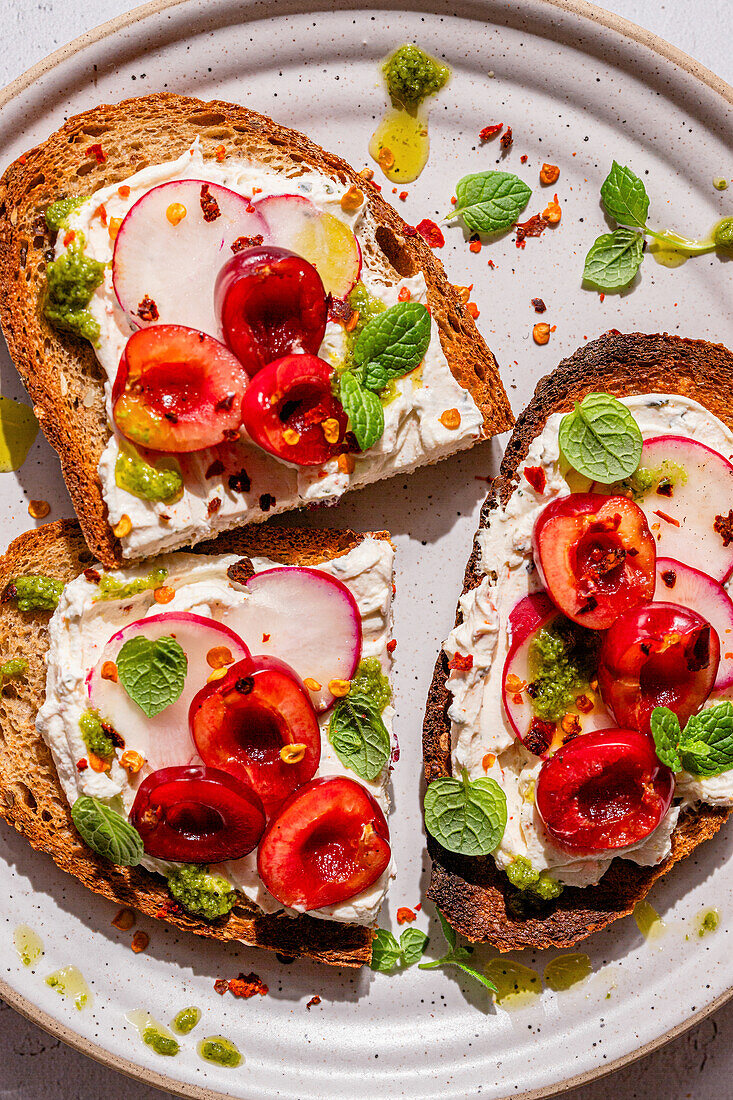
(197, 815)
(328, 843)
(603, 791)
(258, 724)
(657, 655)
(595, 555)
(270, 302)
(177, 389)
(290, 411)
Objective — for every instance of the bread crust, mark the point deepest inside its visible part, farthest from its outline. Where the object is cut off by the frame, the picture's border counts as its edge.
(61, 372)
(31, 798)
(478, 899)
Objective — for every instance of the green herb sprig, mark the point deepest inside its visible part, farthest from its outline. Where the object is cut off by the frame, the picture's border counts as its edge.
(614, 258)
(387, 952)
(703, 748)
(457, 956)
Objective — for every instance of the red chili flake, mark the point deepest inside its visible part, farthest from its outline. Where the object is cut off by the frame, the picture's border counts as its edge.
(431, 233)
(534, 227)
(240, 483)
(403, 195)
(475, 246)
(339, 310)
(220, 986)
(405, 915)
(491, 131)
(391, 645)
(147, 309)
(539, 305)
(669, 577)
(538, 737)
(69, 237)
(220, 152)
(82, 765)
(213, 506)
(247, 242)
(97, 152)
(584, 704)
(313, 1001)
(22, 158)
(409, 230)
(101, 212)
(123, 191)
(266, 637)
(267, 501)
(375, 185)
(723, 526)
(248, 985)
(602, 297)
(209, 205)
(92, 575)
(491, 264)
(537, 477)
(459, 663)
(507, 138)
(418, 907)
(216, 468)
(473, 310)
(523, 159)
(669, 519)
(404, 294)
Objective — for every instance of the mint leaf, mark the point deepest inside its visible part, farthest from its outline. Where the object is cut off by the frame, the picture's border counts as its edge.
(487, 202)
(412, 944)
(392, 344)
(473, 973)
(449, 931)
(624, 197)
(601, 439)
(106, 832)
(152, 673)
(707, 742)
(614, 259)
(666, 732)
(386, 951)
(466, 816)
(364, 410)
(359, 736)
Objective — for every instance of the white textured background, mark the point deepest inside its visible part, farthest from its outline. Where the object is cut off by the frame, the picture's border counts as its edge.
(35, 1067)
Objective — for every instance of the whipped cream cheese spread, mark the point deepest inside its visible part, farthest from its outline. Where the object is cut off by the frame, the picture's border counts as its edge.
(413, 430)
(81, 627)
(479, 725)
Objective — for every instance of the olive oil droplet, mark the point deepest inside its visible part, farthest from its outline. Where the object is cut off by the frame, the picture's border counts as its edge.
(515, 983)
(648, 921)
(69, 982)
(567, 970)
(28, 944)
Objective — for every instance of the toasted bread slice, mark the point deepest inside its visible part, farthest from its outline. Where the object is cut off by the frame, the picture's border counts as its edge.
(61, 372)
(476, 898)
(31, 798)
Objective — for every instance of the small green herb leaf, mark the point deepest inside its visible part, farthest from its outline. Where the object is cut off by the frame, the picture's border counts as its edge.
(624, 197)
(473, 972)
(666, 732)
(466, 816)
(614, 259)
(392, 344)
(707, 743)
(107, 833)
(601, 439)
(449, 932)
(152, 673)
(412, 944)
(488, 202)
(457, 956)
(386, 951)
(359, 736)
(364, 410)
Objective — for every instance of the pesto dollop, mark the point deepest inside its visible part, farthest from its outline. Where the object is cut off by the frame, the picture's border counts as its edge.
(369, 680)
(723, 235)
(136, 476)
(110, 589)
(200, 892)
(367, 307)
(12, 669)
(160, 1043)
(522, 874)
(562, 661)
(97, 741)
(57, 215)
(222, 1051)
(70, 283)
(185, 1020)
(663, 480)
(412, 75)
(34, 592)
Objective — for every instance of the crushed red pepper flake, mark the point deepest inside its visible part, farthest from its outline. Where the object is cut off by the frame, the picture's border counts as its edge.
(316, 1000)
(216, 468)
(247, 242)
(475, 246)
(339, 310)
(267, 501)
(507, 138)
(524, 158)
(491, 264)
(405, 915)
(82, 765)
(213, 506)
(240, 483)
(539, 305)
(69, 237)
(139, 942)
(459, 663)
(147, 310)
(491, 131)
(209, 205)
(431, 233)
(246, 986)
(391, 645)
(723, 526)
(101, 213)
(410, 230)
(533, 227)
(97, 152)
(402, 195)
(668, 519)
(537, 477)
(92, 575)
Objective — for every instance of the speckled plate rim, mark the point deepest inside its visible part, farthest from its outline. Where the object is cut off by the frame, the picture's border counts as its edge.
(593, 14)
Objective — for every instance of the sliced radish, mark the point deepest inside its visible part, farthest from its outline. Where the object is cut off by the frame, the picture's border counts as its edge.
(308, 619)
(681, 584)
(164, 740)
(319, 237)
(170, 247)
(527, 617)
(683, 523)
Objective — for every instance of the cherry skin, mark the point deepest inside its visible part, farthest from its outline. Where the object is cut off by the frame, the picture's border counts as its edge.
(602, 791)
(258, 724)
(328, 842)
(270, 302)
(197, 815)
(657, 655)
(290, 411)
(596, 556)
(177, 390)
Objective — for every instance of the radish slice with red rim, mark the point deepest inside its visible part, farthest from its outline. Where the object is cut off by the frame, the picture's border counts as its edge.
(681, 584)
(306, 618)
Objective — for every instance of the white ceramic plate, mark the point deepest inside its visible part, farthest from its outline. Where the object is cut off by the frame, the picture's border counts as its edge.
(579, 87)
